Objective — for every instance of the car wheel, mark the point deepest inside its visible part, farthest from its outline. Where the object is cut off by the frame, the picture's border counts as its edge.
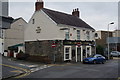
(94, 62)
(83, 62)
(103, 62)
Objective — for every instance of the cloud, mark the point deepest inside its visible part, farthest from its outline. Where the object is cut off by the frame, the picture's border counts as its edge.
(66, 0)
(97, 14)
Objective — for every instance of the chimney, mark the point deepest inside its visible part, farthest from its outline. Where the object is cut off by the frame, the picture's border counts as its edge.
(39, 5)
(75, 12)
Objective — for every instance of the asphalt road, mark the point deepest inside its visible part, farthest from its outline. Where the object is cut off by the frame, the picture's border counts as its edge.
(68, 70)
(79, 70)
(12, 68)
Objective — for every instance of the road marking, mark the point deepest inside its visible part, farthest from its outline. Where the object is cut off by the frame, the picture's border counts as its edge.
(31, 66)
(39, 68)
(27, 72)
(16, 71)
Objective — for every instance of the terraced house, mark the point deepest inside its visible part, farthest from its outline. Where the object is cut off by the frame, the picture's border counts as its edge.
(59, 36)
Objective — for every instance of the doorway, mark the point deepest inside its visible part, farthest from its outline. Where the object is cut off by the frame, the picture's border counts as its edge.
(79, 54)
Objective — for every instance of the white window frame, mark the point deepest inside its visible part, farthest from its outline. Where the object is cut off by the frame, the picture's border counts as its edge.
(68, 35)
(67, 53)
(88, 35)
(81, 53)
(78, 35)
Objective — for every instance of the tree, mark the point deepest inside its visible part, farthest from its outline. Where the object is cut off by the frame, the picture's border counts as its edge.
(100, 50)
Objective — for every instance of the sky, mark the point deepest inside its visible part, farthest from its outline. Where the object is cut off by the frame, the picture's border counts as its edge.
(96, 14)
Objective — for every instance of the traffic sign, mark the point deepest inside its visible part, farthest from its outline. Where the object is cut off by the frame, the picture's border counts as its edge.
(53, 45)
(78, 44)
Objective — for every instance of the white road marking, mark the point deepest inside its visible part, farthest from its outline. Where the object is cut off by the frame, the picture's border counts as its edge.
(31, 66)
(35, 67)
(39, 68)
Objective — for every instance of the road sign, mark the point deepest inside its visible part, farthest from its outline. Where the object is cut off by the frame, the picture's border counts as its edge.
(78, 44)
(53, 45)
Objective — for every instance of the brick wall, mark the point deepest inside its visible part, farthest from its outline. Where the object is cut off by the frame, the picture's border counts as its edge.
(44, 48)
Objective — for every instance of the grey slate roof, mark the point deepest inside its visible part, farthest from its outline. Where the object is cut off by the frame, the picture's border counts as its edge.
(67, 19)
(6, 21)
(15, 20)
(18, 19)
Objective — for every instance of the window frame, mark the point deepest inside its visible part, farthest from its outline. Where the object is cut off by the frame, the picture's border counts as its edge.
(78, 34)
(67, 35)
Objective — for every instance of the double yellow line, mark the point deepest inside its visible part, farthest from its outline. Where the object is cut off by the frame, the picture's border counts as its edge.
(27, 72)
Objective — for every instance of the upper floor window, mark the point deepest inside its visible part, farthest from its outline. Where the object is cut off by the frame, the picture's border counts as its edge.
(67, 35)
(88, 35)
(96, 35)
(33, 21)
(78, 34)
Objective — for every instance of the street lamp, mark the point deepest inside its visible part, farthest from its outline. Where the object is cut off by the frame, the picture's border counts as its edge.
(108, 38)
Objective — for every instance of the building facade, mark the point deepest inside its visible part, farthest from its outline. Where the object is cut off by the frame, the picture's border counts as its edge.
(59, 36)
(5, 23)
(101, 37)
(15, 34)
(114, 41)
(102, 40)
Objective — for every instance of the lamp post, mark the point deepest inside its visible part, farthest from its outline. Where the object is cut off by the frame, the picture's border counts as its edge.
(108, 39)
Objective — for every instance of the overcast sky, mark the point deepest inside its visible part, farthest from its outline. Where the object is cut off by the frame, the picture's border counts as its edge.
(96, 14)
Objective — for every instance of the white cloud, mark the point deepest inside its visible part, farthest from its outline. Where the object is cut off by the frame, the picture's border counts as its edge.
(96, 14)
(66, 0)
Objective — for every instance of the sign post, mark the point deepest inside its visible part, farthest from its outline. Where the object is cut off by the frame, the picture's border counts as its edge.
(53, 46)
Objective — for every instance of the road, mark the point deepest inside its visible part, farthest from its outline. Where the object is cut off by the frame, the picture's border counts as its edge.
(67, 70)
(107, 70)
(12, 68)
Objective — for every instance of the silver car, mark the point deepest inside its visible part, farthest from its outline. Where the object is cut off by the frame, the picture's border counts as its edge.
(115, 54)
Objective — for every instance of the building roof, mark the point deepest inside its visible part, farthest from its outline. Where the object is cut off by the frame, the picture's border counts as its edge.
(5, 21)
(17, 45)
(67, 19)
(18, 19)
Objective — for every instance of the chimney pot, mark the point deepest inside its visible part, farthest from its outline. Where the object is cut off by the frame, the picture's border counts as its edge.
(77, 9)
(75, 12)
(39, 5)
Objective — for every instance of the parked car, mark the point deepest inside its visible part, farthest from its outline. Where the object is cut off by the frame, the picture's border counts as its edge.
(96, 58)
(115, 54)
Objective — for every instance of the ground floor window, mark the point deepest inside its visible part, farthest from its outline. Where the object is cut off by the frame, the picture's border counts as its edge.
(67, 53)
